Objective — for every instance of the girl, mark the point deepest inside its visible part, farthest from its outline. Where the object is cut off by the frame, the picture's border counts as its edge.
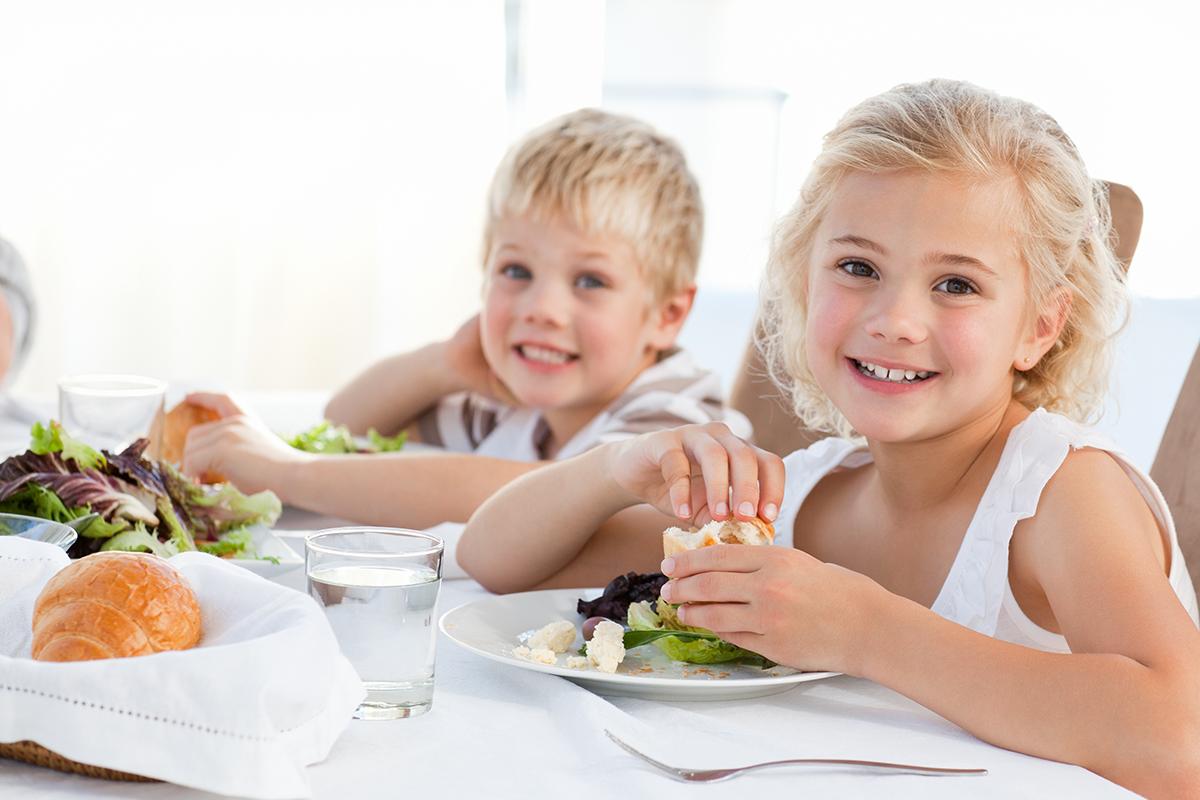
(945, 290)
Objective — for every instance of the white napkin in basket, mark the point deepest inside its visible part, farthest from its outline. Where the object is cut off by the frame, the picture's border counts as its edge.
(266, 692)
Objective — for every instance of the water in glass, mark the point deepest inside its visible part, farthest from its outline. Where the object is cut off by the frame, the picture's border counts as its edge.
(383, 619)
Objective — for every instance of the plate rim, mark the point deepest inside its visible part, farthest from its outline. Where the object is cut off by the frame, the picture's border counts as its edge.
(616, 678)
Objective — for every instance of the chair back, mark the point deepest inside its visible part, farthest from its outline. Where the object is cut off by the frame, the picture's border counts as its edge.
(1176, 468)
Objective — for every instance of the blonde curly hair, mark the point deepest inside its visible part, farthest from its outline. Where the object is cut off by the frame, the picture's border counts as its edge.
(1064, 228)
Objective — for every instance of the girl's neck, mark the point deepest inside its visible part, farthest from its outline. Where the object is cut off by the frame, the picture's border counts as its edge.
(916, 476)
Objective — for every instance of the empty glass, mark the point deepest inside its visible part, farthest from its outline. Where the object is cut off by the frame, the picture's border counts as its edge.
(379, 589)
(110, 412)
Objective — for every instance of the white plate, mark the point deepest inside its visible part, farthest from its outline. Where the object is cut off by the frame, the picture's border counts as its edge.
(264, 542)
(492, 627)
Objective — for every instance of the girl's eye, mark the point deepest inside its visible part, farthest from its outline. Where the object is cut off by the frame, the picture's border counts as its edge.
(515, 271)
(955, 286)
(589, 282)
(859, 269)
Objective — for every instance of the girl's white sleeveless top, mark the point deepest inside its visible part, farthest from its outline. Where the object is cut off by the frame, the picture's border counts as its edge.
(976, 592)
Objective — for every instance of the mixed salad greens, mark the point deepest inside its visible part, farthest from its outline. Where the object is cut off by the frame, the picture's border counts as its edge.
(325, 437)
(633, 599)
(143, 505)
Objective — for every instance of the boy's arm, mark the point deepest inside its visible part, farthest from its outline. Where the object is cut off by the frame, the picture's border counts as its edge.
(393, 392)
(412, 490)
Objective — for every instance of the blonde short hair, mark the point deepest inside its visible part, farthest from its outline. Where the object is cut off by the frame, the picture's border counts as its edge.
(607, 174)
(1063, 227)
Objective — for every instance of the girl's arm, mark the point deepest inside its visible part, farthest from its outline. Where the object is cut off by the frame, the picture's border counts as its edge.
(1125, 703)
(581, 521)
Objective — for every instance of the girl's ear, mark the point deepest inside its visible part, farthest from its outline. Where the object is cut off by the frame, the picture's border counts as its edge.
(670, 314)
(1046, 329)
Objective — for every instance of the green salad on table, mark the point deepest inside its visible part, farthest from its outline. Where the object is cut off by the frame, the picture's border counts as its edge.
(141, 504)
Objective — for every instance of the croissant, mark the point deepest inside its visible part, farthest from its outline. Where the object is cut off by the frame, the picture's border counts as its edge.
(730, 531)
(176, 424)
(114, 605)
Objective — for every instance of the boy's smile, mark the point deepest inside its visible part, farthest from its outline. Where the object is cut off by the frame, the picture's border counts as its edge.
(568, 319)
(917, 307)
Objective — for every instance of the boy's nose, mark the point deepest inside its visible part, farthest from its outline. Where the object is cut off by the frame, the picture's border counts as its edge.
(546, 304)
(897, 317)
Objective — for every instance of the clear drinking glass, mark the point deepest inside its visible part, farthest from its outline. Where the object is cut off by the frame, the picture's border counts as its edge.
(379, 589)
(110, 411)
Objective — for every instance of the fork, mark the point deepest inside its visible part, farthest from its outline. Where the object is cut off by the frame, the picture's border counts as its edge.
(711, 775)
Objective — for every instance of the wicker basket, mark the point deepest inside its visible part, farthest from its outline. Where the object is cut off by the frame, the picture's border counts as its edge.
(34, 753)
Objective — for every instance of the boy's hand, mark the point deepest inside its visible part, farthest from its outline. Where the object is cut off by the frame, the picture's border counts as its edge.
(240, 447)
(688, 472)
(779, 602)
(464, 357)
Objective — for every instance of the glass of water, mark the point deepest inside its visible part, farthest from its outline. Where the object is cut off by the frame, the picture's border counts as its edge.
(379, 588)
(110, 412)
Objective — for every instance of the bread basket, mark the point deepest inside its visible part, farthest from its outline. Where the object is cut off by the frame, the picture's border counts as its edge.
(34, 753)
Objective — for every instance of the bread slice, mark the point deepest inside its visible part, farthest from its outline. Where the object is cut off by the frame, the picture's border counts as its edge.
(730, 531)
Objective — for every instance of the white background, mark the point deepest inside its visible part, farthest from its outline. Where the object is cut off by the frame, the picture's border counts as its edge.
(269, 194)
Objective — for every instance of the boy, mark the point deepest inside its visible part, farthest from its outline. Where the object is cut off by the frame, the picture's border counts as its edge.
(591, 248)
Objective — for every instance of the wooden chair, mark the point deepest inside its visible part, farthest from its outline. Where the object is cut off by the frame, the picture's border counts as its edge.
(1176, 468)
(777, 429)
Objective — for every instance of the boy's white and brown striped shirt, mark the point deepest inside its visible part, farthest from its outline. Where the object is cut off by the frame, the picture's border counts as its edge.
(672, 392)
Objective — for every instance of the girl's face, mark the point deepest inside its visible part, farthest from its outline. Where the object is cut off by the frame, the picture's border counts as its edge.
(918, 301)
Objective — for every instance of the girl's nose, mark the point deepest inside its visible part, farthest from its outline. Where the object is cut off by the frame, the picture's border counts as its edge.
(897, 317)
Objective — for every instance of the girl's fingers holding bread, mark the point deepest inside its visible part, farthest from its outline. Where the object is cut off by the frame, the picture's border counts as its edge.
(771, 479)
(743, 473)
(722, 618)
(707, 587)
(713, 460)
(677, 476)
(717, 558)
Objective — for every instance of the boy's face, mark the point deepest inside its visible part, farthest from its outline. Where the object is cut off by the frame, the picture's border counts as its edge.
(567, 320)
(920, 274)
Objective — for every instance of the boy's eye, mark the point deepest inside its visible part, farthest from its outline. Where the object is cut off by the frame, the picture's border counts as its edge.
(955, 286)
(515, 271)
(589, 282)
(859, 269)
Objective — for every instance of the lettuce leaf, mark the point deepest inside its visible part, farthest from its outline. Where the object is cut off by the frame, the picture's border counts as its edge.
(701, 646)
(386, 444)
(330, 439)
(139, 540)
(53, 439)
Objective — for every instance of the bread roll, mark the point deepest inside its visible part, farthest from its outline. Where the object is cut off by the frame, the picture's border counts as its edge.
(114, 605)
(178, 421)
(730, 531)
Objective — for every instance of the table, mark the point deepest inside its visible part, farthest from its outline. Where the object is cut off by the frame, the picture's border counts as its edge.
(499, 731)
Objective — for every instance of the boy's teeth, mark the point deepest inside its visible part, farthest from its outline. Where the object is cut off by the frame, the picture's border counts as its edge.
(892, 375)
(544, 355)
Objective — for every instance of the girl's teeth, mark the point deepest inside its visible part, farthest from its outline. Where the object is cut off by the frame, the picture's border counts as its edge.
(892, 375)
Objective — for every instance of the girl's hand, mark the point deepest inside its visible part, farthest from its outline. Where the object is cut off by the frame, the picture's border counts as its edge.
(688, 472)
(470, 369)
(240, 447)
(779, 602)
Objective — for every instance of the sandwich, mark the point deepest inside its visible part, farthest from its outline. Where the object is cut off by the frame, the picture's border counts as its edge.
(661, 615)
(176, 424)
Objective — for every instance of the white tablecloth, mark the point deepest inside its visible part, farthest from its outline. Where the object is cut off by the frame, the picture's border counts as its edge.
(498, 731)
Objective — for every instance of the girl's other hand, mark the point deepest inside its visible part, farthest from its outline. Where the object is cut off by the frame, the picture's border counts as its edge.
(689, 472)
(240, 447)
(465, 359)
(779, 602)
